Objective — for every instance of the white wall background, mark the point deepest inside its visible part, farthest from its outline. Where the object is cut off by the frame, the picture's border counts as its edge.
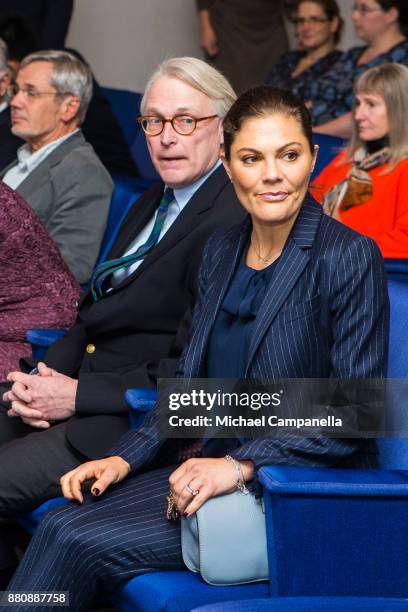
(124, 40)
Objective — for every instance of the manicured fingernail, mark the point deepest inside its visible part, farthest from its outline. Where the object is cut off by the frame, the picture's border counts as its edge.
(95, 491)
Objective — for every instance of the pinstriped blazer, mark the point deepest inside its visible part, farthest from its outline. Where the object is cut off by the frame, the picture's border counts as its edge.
(325, 315)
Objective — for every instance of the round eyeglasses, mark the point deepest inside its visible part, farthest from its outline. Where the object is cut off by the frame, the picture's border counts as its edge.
(29, 93)
(363, 9)
(182, 124)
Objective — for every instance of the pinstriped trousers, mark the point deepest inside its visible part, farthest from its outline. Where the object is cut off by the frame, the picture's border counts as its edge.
(108, 539)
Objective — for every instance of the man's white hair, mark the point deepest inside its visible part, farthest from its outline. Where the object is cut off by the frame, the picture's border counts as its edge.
(199, 75)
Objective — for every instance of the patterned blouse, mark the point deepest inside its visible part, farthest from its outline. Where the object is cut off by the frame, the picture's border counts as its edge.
(281, 73)
(332, 93)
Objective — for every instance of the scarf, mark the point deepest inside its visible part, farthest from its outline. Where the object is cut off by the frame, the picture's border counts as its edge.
(357, 187)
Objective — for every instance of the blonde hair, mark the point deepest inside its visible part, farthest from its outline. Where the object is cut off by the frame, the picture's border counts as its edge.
(197, 74)
(390, 81)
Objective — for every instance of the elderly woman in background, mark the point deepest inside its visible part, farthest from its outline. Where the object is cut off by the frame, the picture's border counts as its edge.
(382, 24)
(37, 289)
(366, 186)
(318, 30)
(289, 293)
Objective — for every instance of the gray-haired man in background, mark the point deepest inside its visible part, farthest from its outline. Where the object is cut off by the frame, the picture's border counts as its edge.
(57, 171)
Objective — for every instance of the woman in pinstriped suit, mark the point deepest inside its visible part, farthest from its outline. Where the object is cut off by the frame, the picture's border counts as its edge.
(290, 293)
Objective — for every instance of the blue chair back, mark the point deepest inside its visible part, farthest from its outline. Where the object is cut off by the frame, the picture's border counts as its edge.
(141, 156)
(126, 107)
(329, 147)
(394, 451)
(122, 200)
(397, 269)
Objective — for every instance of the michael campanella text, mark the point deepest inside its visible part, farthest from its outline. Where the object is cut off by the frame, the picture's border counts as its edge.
(262, 421)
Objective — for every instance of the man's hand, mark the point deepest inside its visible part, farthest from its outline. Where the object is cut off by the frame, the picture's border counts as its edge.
(106, 471)
(210, 477)
(42, 398)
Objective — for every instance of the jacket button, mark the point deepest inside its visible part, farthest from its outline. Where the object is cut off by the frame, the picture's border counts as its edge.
(90, 349)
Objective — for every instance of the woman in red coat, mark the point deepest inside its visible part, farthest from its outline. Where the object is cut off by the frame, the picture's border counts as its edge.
(37, 289)
(366, 186)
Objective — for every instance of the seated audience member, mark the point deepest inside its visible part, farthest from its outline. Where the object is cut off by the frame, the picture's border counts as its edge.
(57, 171)
(49, 20)
(366, 186)
(100, 126)
(382, 24)
(37, 288)
(8, 142)
(318, 30)
(284, 252)
(125, 334)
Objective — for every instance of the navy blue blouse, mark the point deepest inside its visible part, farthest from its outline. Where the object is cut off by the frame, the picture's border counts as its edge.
(332, 93)
(230, 337)
(281, 73)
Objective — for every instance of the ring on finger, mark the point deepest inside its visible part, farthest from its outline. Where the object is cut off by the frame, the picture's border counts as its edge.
(192, 491)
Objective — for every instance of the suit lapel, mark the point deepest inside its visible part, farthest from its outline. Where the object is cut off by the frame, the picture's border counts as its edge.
(188, 219)
(292, 262)
(41, 174)
(136, 220)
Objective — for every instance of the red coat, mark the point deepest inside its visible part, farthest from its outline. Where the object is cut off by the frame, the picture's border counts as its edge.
(37, 290)
(385, 217)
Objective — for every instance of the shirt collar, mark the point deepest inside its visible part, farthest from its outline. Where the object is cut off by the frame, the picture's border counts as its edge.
(3, 106)
(27, 160)
(183, 196)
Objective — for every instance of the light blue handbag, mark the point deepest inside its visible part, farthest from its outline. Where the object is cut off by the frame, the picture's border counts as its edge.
(225, 540)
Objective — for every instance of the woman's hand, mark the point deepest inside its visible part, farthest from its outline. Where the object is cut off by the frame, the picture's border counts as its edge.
(105, 471)
(210, 477)
(208, 38)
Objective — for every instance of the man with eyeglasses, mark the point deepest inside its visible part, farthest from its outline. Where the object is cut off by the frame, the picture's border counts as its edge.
(132, 323)
(8, 142)
(57, 171)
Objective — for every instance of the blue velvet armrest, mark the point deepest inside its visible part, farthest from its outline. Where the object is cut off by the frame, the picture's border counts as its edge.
(336, 532)
(140, 401)
(281, 480)
(41, 339)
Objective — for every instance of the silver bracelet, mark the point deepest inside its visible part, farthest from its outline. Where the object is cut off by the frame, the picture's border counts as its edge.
(240, 479)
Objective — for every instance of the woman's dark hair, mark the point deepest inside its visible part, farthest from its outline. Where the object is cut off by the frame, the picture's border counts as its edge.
(260, 101)
(331, 10)
(402, 6)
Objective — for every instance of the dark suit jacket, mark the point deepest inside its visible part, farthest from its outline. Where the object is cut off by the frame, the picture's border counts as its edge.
(8, 142)
(325, 315)
(134, 327)
(70, 191)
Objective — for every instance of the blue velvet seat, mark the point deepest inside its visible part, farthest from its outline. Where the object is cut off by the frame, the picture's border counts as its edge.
(125, 105)
(311, 604)
(178, 591)
(397, 269)
(329, 147)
